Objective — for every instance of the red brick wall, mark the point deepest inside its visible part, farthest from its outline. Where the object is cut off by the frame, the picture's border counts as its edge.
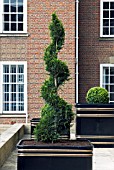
(93, 50)
(31, 49)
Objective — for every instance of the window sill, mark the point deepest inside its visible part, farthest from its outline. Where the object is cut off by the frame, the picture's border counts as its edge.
(13, 115)
(14, 34)
(106, 39)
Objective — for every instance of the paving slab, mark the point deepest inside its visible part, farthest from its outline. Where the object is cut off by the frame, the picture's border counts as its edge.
(103, 159)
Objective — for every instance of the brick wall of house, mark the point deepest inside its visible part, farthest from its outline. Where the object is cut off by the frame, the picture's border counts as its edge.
(31, 49)
(93, 50)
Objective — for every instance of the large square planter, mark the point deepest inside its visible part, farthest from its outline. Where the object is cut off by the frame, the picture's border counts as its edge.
(54, 157)
(96, 123)
(34, 122)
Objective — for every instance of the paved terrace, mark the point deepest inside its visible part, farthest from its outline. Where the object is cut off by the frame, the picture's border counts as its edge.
(103, 159)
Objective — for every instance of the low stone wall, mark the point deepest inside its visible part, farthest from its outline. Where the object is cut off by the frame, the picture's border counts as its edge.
(9, 139)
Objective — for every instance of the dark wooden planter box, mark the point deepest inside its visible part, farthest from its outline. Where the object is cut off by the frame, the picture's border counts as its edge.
(54, 157)
(34, 122)
(96, 123)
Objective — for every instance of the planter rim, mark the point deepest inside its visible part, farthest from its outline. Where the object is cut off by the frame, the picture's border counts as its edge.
(88, 147)
(87, 105)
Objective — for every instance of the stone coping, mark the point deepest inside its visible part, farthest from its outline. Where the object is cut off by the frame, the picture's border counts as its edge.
(9, 139)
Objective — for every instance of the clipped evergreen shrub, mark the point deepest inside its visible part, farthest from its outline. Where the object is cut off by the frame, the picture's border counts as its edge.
(57, 114)
(97, 95)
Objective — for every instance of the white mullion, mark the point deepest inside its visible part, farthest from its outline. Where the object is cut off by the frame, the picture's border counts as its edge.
(109, 18)
(25, 16)
(17, 94)
(1, 17)
(101, 18)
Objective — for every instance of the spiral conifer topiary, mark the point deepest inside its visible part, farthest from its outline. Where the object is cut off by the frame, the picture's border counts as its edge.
(57, 114)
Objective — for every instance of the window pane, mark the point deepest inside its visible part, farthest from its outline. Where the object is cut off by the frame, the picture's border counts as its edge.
(6, 26)
(6, 106)
(105, 22)
(112, 96)
(106, 79)
(20, 27)
(13, 78)
(112, 31)
(6, 97)
(20, 1)
(6, 69)
(13, 87)
(20, 8)
(20, 69)
(6, 8)
(105, 5)
(105, 31)
(20, 78)
(106, 70)
(111, 5)
(13, 26)
(112, 88)
(13, 17)
(6, 17)
(6, 88)
(13, 96)
(111, 79)
(13, 1)
(106, 87)
(6, 1)
(111, 14)
(20, 17)
(20, 88)
(6, 78)
(13, 69)
(13, 8)
(112, 22)
(111, 70)
(21, 97)
(13, 106)
(21, 107)
(105, 14)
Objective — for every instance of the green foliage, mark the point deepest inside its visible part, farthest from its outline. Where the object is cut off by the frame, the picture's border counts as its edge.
(57, 114)
(97, 95)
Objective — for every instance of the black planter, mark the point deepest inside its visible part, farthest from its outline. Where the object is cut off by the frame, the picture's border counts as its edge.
(96, 123)
(64, 134)
(32, 157)
(34, 122)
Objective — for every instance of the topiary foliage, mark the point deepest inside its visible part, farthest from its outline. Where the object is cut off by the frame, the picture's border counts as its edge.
(57, 114)
(97, 95)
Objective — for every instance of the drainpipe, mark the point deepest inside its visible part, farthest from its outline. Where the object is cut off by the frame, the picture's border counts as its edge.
(76, 13)
(73, 127)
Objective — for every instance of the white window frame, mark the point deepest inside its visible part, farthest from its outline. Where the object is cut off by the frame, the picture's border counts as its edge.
(101, 18)
(102, 84)
(24, 20)
(25, 86)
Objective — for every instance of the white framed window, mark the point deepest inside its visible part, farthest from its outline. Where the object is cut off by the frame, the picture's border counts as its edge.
(13, 87)
(13, 16)
(107, 79)
(107, 18)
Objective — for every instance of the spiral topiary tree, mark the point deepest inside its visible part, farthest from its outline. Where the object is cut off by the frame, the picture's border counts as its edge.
(57, 114)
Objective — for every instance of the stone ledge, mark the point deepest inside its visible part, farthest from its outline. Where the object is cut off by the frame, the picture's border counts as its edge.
(9, 139)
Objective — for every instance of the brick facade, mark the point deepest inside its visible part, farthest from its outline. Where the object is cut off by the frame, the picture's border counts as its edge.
(93, 50)
(31, 49)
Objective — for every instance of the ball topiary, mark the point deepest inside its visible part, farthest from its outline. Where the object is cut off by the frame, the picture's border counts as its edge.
(97, 95)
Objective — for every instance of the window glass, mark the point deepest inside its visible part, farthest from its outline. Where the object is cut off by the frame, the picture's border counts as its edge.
(14, 18)
(108, 80)
(107, 18)
(13, 88)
